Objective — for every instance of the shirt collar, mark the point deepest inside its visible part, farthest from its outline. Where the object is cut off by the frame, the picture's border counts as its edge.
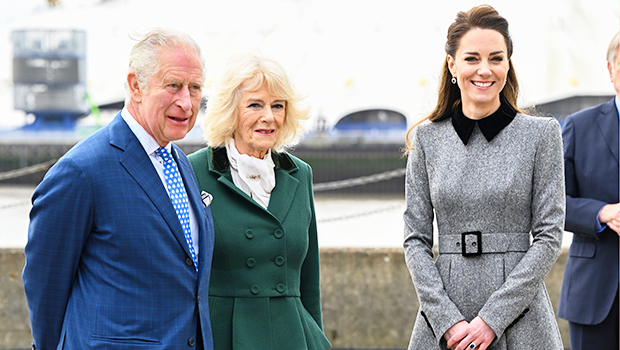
(147, 141)
(618, 105)
(489, 126)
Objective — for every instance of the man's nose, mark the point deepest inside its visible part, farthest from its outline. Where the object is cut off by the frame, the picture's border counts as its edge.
(184, 99)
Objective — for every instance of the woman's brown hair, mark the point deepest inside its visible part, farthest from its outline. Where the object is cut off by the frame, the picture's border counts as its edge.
(449, 96)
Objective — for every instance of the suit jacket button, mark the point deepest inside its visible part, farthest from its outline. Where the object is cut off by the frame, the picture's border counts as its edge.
(278, 233)
(279, 261)
(255, 289)
(191, 342)
(189, 262)
(281, 288)
(251, 262)
(249, 234)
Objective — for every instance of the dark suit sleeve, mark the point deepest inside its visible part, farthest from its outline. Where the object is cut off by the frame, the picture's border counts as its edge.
(310, 271)
(581, 212)
(60, 222)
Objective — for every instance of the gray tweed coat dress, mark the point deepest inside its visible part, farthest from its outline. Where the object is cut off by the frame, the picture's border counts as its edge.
(511, 191)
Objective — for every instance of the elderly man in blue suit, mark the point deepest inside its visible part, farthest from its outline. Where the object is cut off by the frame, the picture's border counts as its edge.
(120, 243)
(589, 297)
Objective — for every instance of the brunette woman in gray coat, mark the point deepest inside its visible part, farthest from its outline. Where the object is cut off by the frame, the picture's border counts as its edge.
(492, 177)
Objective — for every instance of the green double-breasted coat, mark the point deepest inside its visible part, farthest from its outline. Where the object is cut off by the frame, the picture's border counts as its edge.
(264, 291)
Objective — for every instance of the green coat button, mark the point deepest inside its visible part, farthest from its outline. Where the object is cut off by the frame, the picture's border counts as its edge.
(281, 288)
(255, 289)
(279, 261)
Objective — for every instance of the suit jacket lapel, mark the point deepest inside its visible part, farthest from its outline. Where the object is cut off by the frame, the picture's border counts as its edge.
(196, 202)
(194, 198)
(138, 164)
(608, 125)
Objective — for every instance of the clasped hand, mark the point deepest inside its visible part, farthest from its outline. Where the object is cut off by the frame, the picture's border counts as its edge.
(462, 333)
(610, 215)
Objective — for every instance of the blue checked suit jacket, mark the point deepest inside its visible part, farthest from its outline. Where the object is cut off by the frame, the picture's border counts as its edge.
(107, 264)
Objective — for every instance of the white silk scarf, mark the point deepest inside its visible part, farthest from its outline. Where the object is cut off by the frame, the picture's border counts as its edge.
(254, 176)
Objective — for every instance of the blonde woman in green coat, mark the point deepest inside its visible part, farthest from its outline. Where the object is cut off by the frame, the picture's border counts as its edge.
(264, 291)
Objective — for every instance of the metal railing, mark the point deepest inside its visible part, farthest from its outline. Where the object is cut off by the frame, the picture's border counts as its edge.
(320, 187)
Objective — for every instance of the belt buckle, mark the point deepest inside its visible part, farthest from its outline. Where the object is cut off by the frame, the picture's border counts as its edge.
(477, 244)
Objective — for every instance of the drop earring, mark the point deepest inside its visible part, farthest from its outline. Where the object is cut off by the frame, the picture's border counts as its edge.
(453, 80)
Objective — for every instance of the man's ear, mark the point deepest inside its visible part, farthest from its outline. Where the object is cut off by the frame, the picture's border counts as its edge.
(134, 87)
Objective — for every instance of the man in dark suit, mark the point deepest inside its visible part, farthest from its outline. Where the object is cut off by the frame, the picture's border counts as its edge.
(589, 297)
(111, 261)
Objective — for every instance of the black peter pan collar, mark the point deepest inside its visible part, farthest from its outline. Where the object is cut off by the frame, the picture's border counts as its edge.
(489, 126)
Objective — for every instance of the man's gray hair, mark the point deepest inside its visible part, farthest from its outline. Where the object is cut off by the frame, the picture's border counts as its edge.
(144, 56)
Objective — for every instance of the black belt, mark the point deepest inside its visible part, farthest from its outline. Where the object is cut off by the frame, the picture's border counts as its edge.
(476, 243)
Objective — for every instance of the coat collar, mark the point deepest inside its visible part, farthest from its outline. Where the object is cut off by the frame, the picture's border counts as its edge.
(489, 126)
(220, 163)
(286, 184)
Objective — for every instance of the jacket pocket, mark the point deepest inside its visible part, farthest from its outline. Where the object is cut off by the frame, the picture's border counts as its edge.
(428, 323)
(133, 341)
(582, 249)
(514, 322)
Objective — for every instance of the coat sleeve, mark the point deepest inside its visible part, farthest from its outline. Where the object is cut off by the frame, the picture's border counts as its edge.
(548, 202)
(310, 270)
(440, 311)
(581, 212)
(60, 223)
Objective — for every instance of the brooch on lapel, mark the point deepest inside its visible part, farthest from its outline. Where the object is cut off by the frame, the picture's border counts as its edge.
(207, 198)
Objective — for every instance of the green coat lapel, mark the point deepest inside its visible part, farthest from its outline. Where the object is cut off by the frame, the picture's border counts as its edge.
(283, 194)
(286, 184)
(226, 179)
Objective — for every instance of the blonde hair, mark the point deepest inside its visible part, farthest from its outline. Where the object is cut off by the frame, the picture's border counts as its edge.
(248, 72)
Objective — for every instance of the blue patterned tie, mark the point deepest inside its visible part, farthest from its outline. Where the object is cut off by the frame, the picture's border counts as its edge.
(177, 193)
